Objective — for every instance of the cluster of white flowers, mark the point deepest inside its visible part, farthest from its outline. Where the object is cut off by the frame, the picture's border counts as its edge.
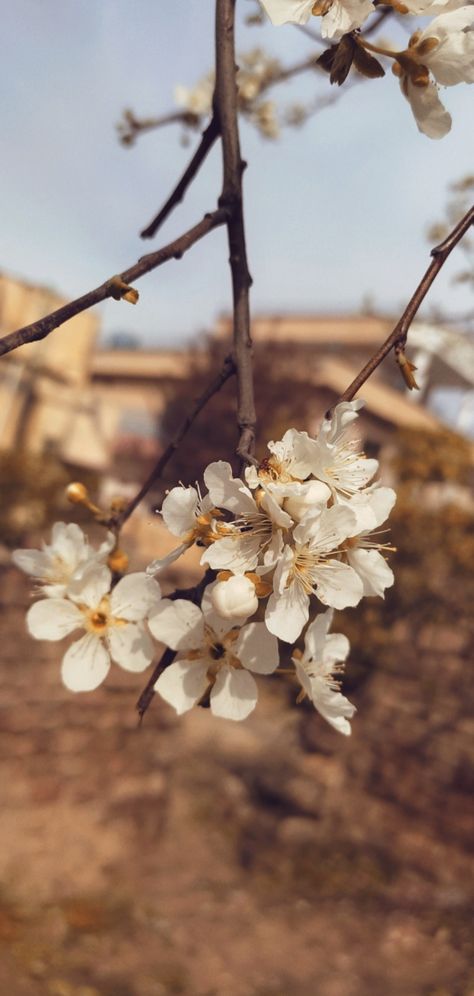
(300, 525)
(441, 53)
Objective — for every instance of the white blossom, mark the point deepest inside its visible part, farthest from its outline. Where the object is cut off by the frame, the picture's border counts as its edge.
(323, 657)
(309, 566)
(113, 620)
(213, 656)
(338, 16)
(188, 515)
(198, 99)
(445, 48)
(334, 457)
(63, 560)
(363, 552)
(256, 530)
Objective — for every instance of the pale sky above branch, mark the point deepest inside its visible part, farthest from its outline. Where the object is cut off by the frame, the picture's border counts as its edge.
(335, 210)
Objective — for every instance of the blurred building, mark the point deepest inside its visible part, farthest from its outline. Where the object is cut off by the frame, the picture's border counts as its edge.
(102, 408)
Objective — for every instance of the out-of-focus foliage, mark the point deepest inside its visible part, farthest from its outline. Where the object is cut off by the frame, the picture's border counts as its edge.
(33, 494)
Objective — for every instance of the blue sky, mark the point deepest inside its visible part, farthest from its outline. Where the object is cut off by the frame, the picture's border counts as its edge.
(335, 211)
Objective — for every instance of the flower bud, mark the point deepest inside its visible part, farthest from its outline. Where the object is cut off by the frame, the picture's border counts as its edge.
(77, 493)
(309, 496)
(234, 598)
(118, 561)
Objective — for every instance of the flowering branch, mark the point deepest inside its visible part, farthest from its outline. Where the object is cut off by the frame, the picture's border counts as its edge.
(231, 200)
(397, 339)
(115, 287)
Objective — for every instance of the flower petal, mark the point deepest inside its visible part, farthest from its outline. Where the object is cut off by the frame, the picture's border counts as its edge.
(177, 623)
(282, 11)
(287, 613)
(234, 695)
(34, 562)
(85, 665)
(337, 585)
(336, 649)
(257, 649)
(316, 636)
(91, 587)
(179, 510)
(372, 569)
(53, 619)
(130, 645)
(227, 491)
(183, 684)
(134, 597)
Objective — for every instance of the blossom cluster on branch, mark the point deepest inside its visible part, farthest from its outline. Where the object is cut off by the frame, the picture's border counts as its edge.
(440, 53)
(299, 531)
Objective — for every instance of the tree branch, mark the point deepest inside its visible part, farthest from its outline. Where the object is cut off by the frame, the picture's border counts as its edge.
(397, 338)
(174, 250)
(192, 595)
(209, 136)
(228, 370)
(231, 200)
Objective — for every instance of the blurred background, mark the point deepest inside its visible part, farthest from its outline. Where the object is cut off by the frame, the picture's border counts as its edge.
(197, 856)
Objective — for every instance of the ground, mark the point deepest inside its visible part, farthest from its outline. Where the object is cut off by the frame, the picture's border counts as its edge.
(268, 858)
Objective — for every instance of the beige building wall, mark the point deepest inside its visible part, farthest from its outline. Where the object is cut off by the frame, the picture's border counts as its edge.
(42, 383)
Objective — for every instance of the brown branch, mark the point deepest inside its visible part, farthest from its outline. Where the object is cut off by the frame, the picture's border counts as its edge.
(397, 338)
(192, 595)
(174, 250)
(228, 370)
(209, 136)
(231, 200)
(130, 126)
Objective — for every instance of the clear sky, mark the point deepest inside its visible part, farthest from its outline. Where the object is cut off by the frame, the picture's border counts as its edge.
(335, 211)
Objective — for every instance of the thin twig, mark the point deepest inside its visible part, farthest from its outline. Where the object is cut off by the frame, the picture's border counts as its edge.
(398, 337)
(209, 136)
(174, 250)
(231, 199)
(228, 370)
(192, 595)
(130, 126)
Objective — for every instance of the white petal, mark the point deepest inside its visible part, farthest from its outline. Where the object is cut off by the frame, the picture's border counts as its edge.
(257, 649)
(287, 613)
(431, 117)
(332, 705)
(178, 624)
(316, 635)
(227, 491)
(372, 507)
(69, 543)
(134, 597)
(372, 569)
(130, 645)
(344, 16)
(53, 619)
(303, 678)
(325, 531)
(179, 510)
(234, 695)
(338, 585)
(91, 587)
(159, 565)
(237, 553)
(336, 649)
(282, 11)
(34, 562)
(183, 684)
(85, 665)
(217, 623)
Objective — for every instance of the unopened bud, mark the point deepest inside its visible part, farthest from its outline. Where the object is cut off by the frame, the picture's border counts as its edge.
(234, 598)
(118, 561)
(313, 496)
(122, 291)
(407, 370)
(77, 493)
